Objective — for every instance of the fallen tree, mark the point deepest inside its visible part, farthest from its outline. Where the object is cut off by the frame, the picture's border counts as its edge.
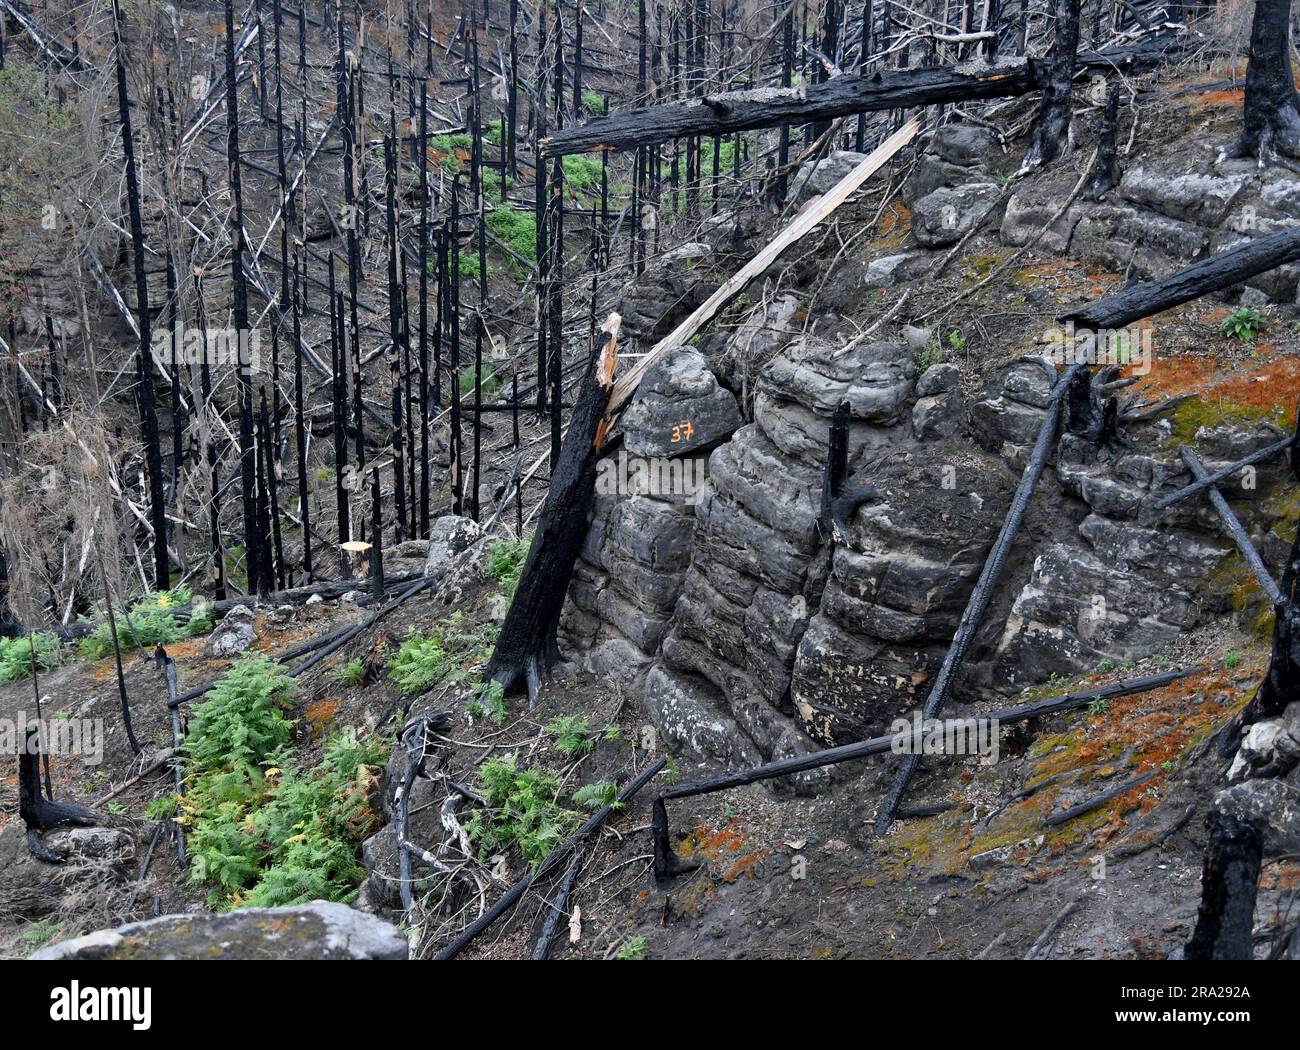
(732, 111)
(1216, 273)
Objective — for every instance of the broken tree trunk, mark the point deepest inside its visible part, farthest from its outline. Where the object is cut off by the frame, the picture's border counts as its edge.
(1051, 135)
(1272, 109)
(1229, 884)
(527, 646)
(38, 813)
(732, 111)
(1216, 273)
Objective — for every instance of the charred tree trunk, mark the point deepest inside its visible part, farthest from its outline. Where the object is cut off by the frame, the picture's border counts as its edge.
(239, 287)
(725, 112)
(1052, 134)
(1105, 174)
(1229, 884)
(527, 646)
(1272, 108)
(38, 813)
(144, 373)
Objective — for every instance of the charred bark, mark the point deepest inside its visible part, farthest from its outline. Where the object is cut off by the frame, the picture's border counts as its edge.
(720, 114)
(144, 374)
(1219, 271)
(840, 498)
(527, 646)
(1051, 137)
(38, 812)
(1271, 114)
(1229, 884)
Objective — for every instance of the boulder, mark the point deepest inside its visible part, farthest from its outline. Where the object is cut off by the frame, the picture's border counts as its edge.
(817, 177)
(950, 212)
(1193, 196)
(319, 930)
(670, 288)
(448, 536)
(1270, 804)
(233, 635)
(679, 408)
(92, 858)
(966, 144)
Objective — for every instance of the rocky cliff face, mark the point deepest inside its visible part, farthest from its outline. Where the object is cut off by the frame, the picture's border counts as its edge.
(751, 635)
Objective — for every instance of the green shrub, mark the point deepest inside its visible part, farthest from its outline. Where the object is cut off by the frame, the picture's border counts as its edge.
(489, 699)
(262, 832)
(571, 735)
(352, 673)
(521, 809)
(506, 561)
(1243, 323)
(632, 950)
(16, 655)
(595, 796)
(151, 621)
(444, 655)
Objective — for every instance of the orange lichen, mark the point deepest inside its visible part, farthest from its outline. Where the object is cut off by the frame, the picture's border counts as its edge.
(1266, 384)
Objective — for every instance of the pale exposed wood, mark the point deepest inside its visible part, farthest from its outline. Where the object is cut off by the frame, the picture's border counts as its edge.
(804, 222)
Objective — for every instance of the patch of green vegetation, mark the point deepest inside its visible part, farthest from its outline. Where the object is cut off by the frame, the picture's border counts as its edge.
(593, 102)
(495, 132)
(582, 173)
(931, 355)
(151, 621)
(956, 340)
(1231, 660)
(632, 950)
(42, 932)
(488, 699)
(443, 655)
(489, 381)
(263, 832)
(571, 734)
(506, 561)
(516, 228)
(1106, 666)
(1244, 323)
(1193, 414)
(352, 673)
(163, 807)
(521, 809)
(597, 795)
(16, 655)
(447, 145)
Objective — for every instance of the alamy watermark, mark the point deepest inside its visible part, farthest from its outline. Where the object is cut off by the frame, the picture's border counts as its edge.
(946, 736)
(239, 347)
(83, 737)
(1132, 348)
(676, 477)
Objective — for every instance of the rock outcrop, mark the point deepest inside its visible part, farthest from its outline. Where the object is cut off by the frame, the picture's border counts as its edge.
(319, 930)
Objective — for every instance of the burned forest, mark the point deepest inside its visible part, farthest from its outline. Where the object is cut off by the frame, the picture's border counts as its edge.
(651, 480)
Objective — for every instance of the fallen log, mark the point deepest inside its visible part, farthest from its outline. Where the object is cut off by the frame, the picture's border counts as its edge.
(1234, 527)
(732, 111)
(668, 864)
(1219, 271)
(1098, 800)
(1224, 473)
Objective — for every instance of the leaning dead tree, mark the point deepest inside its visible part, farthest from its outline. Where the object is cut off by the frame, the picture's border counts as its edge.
(526, 647)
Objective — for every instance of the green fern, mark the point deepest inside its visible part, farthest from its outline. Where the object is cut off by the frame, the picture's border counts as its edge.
(571, 735)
